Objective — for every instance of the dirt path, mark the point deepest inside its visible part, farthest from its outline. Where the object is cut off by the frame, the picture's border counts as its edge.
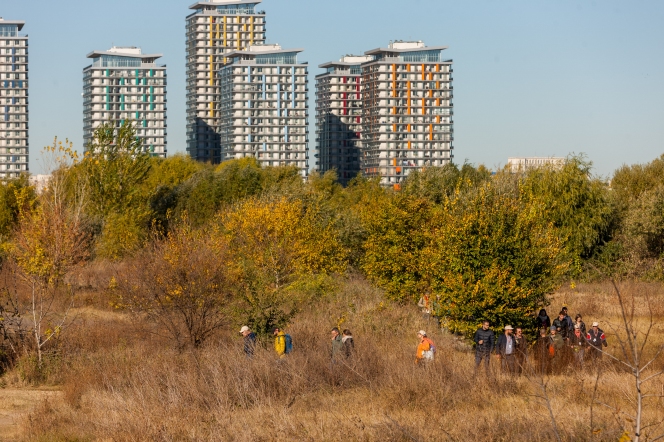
(13, 403)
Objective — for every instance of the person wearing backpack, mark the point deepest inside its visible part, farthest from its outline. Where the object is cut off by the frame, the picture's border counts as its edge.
(425, 350)
(283, 343)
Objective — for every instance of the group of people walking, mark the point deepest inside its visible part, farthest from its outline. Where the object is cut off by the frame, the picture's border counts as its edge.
(560, 343)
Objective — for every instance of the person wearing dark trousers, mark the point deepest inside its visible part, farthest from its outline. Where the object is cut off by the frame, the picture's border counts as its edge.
(249, 341)
(521, 350)
(578, 345)
(506, 350)
(597, 340)
(484, 343)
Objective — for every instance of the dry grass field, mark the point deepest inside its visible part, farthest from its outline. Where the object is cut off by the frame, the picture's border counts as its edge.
(121, 382)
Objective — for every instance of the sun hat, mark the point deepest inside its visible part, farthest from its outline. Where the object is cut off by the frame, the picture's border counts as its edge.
(244, 329)
(508, 327)
(422, 332)
(595, 324)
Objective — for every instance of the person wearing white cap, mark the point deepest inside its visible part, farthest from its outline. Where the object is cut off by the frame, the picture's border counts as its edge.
(425, 349)
(597, 340)
(506, 350)
(249, 341)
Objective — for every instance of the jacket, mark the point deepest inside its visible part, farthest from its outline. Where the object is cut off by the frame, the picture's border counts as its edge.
(543, 321)
(557, 343)
(521, 346)
(349, 346)
(250, 344)
(337, 346)
(488, 338)
(578, 342)
(501, 347)
(562, 326)
(423, 346)
(596, 339)
(280, 343)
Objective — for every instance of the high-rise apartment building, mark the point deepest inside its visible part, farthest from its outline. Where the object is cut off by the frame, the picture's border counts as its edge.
(264, 107)
(13, 99)
(125, 84)
(215, 28)
(407, 110)
(339, 116)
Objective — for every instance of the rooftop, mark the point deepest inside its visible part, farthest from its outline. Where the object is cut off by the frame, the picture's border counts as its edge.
(198, 5)
(347, 60)
(125, 51)
(255, 50)
(400, 46)
(19, 23)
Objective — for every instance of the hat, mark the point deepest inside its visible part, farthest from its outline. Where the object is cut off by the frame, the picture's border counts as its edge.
(508, 327)
(553, 328)
(244, 329)
(595, 324)
(422, 332)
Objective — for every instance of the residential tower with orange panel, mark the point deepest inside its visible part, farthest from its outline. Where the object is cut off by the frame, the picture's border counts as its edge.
(407, 113)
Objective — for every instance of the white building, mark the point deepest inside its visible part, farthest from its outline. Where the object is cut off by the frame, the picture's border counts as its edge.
(125, 84)
(339, 116)
(517, 164)
(14, 147)
(407, 111)
(264, 107)
(215, 28)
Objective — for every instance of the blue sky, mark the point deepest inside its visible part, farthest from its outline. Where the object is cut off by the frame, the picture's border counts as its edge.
(531, 77)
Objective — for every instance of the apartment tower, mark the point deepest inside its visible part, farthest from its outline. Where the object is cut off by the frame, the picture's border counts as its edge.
(339, 116)
(125, 84)
(215, 28)
(13, 99)
(264, 107)
(407, 111)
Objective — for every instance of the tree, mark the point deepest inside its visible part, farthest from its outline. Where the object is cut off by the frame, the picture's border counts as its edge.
(275, 245)
(49, 241)
(490, 256)
(181, 282)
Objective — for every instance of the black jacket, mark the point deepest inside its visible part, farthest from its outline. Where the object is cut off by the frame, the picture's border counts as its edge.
(562, 326)
(502, 345)
(543, 322)
(488, 338)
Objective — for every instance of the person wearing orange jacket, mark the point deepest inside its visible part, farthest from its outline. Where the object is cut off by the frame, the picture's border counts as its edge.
(425, 349)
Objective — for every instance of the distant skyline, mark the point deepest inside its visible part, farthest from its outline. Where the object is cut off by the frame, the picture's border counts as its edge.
(530, 78)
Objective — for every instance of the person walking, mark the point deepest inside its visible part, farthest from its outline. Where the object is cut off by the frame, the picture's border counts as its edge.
(249, 341)
(279, 342)
(561, 325)
(578, 345)
(484, 343)
(568, 321)
(541, 353)
(521, 350)
(556, 346)
(425, 304)
(337, 344)
(597, 340)
(506, 351)
(582, 325)
(543, 321)
(425, 349)
(348, 343)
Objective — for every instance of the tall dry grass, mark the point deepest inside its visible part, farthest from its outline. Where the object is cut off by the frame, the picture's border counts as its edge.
(143, 391)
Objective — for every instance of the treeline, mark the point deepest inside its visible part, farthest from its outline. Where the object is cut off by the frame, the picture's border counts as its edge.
(198, 243)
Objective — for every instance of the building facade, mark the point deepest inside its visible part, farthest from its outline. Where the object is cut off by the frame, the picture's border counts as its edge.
(407, 108)
(517, 164)
(124, 84)
(264, 107)
(14, 146)
(339, 117)
(215, 28)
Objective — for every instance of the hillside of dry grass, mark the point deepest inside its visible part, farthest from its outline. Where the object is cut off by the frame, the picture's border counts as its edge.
(122, 382)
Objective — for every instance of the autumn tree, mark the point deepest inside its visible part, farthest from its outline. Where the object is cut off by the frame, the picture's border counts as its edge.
(49, 241)
(273, 246)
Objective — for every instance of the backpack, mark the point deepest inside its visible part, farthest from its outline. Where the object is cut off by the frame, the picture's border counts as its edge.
(289, 344)
(432, 346)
